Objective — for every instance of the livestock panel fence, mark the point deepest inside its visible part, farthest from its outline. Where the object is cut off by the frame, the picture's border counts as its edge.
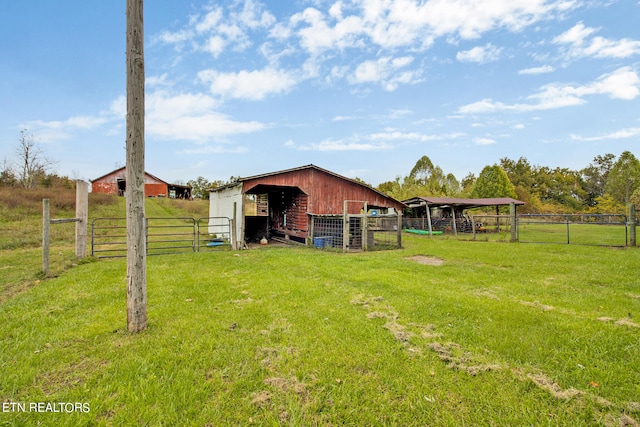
(364, 231)
(614, 230)
(580, 229)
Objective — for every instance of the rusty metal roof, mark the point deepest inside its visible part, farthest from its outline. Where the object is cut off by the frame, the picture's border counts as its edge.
(460, 202)
(302, 168)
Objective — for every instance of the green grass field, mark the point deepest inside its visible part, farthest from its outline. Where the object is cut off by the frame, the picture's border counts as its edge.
(442, 332)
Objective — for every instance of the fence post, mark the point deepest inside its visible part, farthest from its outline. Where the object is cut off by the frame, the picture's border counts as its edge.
(632, 225)
(365, 228)
(345, 227)
(513, 222)
(45, 236)
(82, 217)
(399, 226)
(566, 218)
(235, 245)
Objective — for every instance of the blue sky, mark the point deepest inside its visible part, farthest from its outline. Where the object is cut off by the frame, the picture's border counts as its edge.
(360, 87)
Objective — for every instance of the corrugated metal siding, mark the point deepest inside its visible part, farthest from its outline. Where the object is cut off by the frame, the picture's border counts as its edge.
(155, 190)
(108, 184)
(326, 192)
(104, 187)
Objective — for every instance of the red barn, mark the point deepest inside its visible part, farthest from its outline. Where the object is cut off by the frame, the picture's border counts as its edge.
(282, 203)
(115, 182)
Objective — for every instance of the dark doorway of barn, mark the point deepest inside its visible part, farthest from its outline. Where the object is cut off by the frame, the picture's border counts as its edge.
(276, 212)
(122, 186)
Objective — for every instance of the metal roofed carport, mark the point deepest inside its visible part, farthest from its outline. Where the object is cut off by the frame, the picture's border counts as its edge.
(421, 206)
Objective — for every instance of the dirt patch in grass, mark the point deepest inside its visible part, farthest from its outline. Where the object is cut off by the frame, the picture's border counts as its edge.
(627, 322)
(287, 385)
(553, 388)
(261, 398)
(622, 322)
(426, 260)
(459, 359)
(537, 304)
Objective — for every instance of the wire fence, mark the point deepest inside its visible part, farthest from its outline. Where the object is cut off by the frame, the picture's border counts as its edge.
(364, 232)
(579, 229)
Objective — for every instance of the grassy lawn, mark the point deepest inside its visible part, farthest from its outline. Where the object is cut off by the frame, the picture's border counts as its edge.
(442, 332)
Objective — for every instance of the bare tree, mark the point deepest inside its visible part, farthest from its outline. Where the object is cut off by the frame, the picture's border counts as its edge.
(31, 160)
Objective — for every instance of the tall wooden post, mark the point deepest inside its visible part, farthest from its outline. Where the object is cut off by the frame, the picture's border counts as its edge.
(136, 242)
(365, 228)
(345, 227)
(82, 217)
(46, 223)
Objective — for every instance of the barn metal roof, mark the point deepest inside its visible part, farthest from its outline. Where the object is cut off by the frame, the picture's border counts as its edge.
(123, 168)
(460, 202)
(300, 168)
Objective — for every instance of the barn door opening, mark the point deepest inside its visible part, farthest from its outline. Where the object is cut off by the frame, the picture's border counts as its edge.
(122, 186)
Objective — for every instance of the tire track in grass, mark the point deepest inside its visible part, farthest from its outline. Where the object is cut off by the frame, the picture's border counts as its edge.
(412, 335)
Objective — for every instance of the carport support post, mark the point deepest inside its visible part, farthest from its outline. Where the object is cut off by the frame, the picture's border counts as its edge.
(632, 225)
(453, 215)
(513, 219)
(429, 220)
(82, 217)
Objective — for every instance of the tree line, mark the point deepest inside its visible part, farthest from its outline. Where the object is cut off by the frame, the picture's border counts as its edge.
(607, 185)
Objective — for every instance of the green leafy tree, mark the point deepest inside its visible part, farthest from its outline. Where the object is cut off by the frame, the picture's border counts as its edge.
(493, 182)
(624, 178)
(595, 175)
(200, 187)
(7, 176)
(426, 179)
(635, 198)
(467, 184)
(520, 172)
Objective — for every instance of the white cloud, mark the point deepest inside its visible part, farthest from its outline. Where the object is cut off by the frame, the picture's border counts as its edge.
(623, 83)
(160, 80)
(191, 117)
(537, 70)
(218, 29)
(392, 135)
(579, 44)
(620, 134)
(348, 144)
(215, 149)
(480, 54)
(386, 72)
(175, 37)
(251, 85)
(392, 24)
(484, 141)
(210, 20)
(471, 19)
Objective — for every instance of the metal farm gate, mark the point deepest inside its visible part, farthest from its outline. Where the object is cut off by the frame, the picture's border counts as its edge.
(163, 236)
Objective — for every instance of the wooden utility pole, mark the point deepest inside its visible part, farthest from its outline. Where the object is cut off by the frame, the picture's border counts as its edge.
(136, 242)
